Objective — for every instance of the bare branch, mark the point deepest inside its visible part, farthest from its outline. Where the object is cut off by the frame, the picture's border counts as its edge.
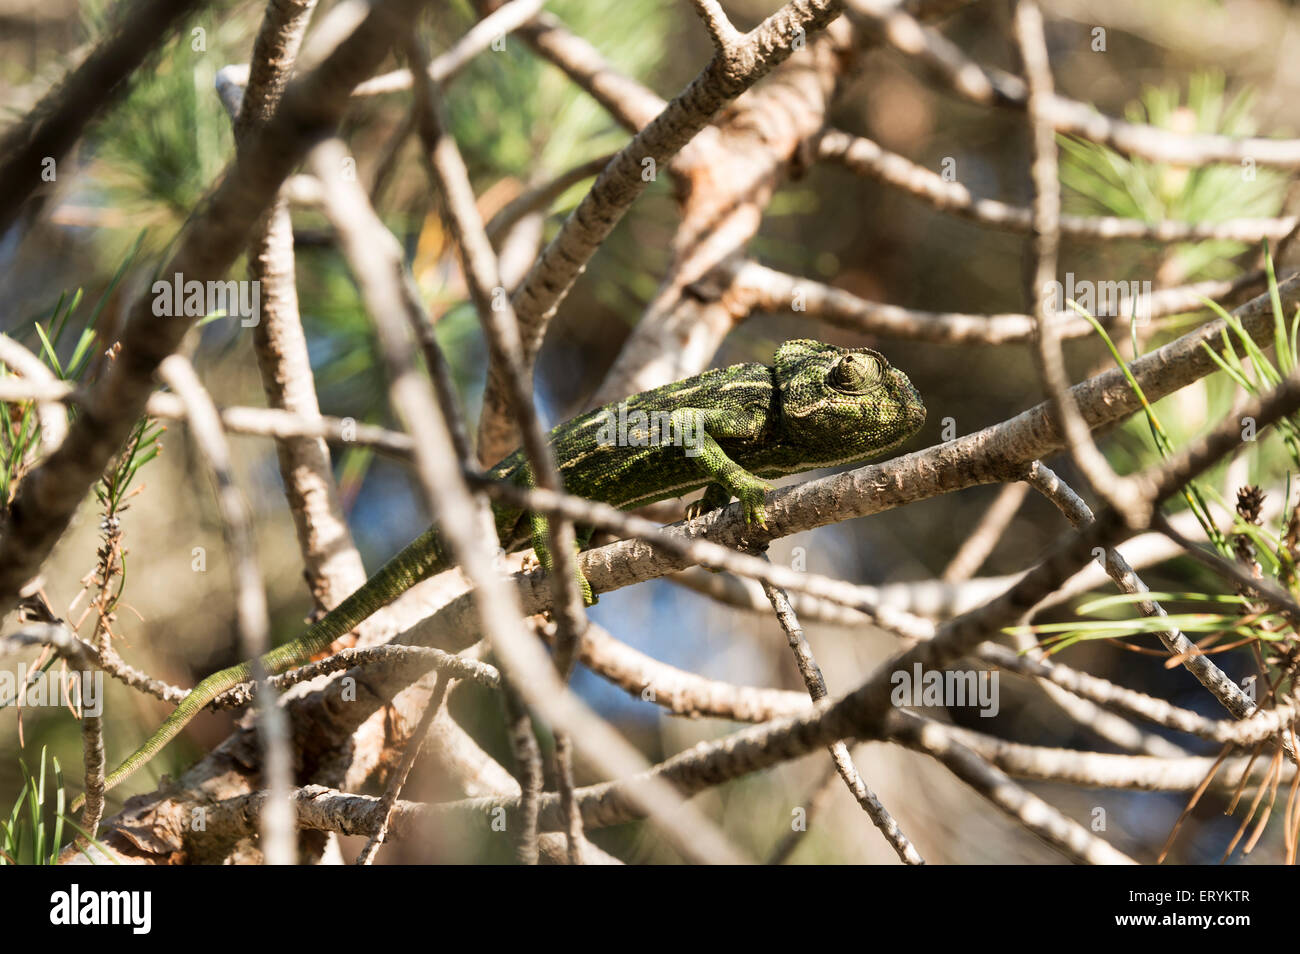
(1198, 664)
(992, 87)
(456, 667)
(631, 104)
(724, 35)
(1263, 724)
(332, 565)
(756, 287)
(479, 264)
(1062, 833)
(447, 66)
(48, 132)
(864, 157)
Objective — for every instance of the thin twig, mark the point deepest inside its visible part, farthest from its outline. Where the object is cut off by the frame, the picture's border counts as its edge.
(528, 771)
(1044, 247)
(866, 157)
(479, 265)
(332, 564)
(757, 287)
(403, 771)
(454, 666)
(1229, 694)
(977, 546)
(816, 684)
(1036, 815)
(278, 827)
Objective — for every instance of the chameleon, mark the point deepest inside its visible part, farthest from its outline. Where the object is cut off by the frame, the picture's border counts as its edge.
(816, 405)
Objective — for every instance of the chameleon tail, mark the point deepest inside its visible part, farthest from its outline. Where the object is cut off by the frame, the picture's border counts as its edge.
(194, 703)
(419, 560)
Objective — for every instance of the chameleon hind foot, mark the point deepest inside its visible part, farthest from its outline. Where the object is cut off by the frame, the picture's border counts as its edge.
(715, 497)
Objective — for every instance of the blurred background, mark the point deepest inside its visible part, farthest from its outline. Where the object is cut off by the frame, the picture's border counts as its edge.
(1183, 64)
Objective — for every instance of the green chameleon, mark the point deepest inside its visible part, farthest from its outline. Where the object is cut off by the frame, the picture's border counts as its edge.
(817, 405)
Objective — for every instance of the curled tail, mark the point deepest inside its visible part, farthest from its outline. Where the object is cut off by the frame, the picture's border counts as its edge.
(419, 560)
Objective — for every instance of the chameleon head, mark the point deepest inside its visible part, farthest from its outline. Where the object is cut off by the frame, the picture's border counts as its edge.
(848, 401)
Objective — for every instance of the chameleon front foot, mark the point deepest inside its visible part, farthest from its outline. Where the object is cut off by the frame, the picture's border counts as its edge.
(543, 559)
(751, 495)
(589, 598)
(752, 500)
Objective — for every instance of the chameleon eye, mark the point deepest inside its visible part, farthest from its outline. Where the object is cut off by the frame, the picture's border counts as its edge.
(854, 373)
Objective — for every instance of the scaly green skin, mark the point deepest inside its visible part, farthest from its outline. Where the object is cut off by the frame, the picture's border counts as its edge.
(816, 406)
